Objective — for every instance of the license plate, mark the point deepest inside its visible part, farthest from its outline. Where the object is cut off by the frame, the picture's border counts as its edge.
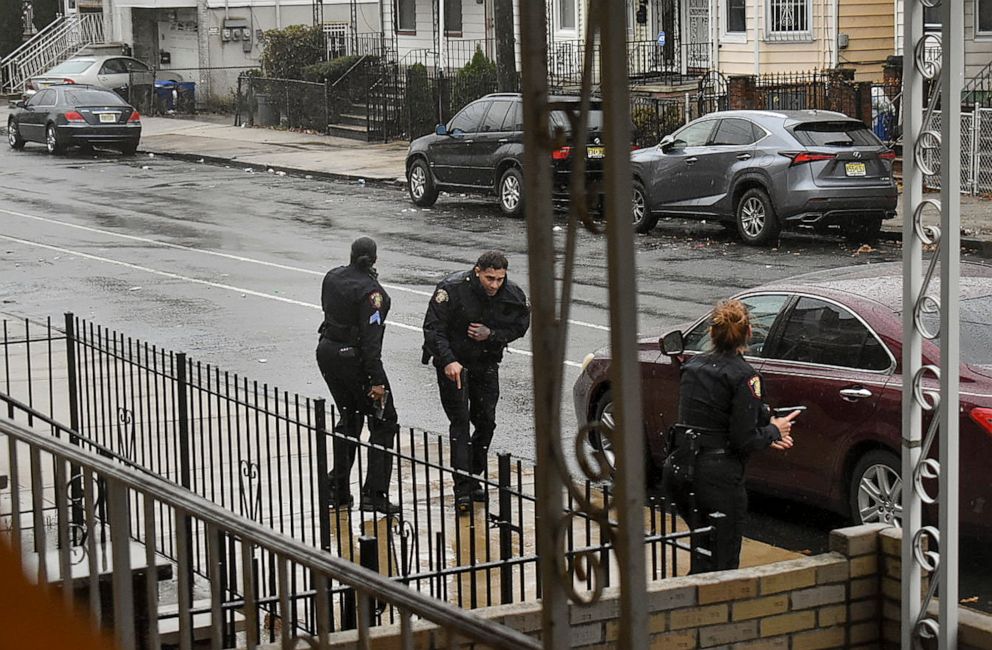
(855, 169)
(110, 118)
(596, 152)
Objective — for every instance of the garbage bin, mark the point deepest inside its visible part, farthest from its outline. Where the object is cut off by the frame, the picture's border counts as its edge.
(267, 113)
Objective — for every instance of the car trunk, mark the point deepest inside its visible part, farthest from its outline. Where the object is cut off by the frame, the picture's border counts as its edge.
(855, 154)
(104, 114)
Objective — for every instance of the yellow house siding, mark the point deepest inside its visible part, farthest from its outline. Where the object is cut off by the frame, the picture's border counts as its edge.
(870, 28)
(777, 57)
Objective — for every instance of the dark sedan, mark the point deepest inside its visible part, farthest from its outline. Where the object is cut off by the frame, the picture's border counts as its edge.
(759, 172)
(75, 115)
(481, 151)
(832, 341)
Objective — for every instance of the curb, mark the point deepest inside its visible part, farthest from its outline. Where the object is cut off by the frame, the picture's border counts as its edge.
(289, 171)
(979, 246)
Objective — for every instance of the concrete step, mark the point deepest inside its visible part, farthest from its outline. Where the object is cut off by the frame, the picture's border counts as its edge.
(353, 120)
(168, 628)
(348, 131)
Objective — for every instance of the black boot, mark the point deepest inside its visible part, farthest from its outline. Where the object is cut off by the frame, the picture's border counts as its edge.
(378, 503)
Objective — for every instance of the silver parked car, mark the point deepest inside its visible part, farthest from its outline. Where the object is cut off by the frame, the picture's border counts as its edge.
(761, 171)
(103, 71)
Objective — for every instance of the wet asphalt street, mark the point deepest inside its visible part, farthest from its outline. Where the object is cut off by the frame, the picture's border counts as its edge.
(226, 266)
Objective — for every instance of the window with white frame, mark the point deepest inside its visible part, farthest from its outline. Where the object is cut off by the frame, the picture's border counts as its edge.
(406, 16)
(453, 17)
(788, 18)
(567, 19)
(336, 36)
(736, 16)
(983, 17)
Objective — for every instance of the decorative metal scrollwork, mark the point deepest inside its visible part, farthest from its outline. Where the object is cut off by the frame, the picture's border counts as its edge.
(126, 438)
(250, 487)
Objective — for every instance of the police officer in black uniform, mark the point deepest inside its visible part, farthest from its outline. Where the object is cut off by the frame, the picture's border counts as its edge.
(722, 421)
(472, 316)
(349, 356)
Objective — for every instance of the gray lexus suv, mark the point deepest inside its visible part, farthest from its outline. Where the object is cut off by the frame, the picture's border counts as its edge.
(762, 171)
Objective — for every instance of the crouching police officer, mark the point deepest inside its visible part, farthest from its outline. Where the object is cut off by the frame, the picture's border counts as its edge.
(722, 422)
(349, 356)
(471, 318)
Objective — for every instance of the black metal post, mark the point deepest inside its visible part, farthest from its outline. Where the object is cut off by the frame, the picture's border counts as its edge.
(368, 556)
(505, 536)
(76, 487)
(323, 489)
(182, 417)
(719, 539)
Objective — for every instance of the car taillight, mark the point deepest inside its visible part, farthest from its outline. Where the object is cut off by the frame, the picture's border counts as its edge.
(802, 157)
(135, 117)
(887, 155)
(561, 154)
(73, 116)
(983, 417)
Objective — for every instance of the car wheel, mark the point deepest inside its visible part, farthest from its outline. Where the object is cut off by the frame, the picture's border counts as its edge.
(640, 209)
(863, 231)
(52, 142)
(423, 191)
(510, 192)
(756, 220)
(129, 149)
(599, 442)
(875, 492)
(14, 138)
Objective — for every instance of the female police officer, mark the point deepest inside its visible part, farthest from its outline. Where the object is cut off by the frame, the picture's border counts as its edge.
(722, 422)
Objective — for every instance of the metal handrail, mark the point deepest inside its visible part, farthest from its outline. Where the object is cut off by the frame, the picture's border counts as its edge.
(123, 480)
(50, 46)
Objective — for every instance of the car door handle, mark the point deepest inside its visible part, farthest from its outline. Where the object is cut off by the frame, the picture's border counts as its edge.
(691, 161)
(743, 156)
(852, 394)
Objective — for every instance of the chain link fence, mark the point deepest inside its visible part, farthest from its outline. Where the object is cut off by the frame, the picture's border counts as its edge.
(975, 151)
(287, 103)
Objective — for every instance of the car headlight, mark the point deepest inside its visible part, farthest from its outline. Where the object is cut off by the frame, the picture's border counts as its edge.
(586, 360)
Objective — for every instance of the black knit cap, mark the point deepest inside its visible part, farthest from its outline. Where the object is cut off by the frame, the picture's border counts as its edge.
(363, 247)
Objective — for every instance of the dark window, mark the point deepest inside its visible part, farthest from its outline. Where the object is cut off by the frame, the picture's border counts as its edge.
(72, 66)
(133, 65)
(823, 333)
(495, 116)
(931, 18)
(514, 120)
(113, 66)
(44, 98)
(92, 98)
(835, 134)
(734, 132)
(696, 134)
(758, 132)
(470, 117)
(453, 17)
(736, 15)
(560, 119)
(406, 15)
(566, 14)
(763, 310)
(983, 16)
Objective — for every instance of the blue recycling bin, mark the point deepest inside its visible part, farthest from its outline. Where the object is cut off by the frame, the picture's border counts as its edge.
(175, 96)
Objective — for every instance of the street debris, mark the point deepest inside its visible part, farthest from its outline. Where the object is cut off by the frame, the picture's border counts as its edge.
(361, 181)
(249, 170)
(151, 155)
(864, 248)
(201, 160)
(557, 229)
(308, 177)
(263, 360)
(270, 170)
(280, 173)
(145, 167)
(135, 289)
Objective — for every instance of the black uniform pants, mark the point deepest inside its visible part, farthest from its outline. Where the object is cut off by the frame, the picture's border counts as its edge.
(342, 370)
(717, 486)
(474, 404)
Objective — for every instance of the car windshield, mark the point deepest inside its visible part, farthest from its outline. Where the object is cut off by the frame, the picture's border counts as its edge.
(976, 329)
(72, 66)
(92, 97)
(835, 134)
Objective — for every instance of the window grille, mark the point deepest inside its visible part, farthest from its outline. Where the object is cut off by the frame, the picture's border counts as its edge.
(336, 35)
(788, 19)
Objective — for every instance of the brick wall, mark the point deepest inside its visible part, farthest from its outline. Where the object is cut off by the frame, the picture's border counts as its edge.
(847, 598)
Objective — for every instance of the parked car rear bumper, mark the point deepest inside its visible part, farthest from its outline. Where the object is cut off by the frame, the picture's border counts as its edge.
(96, 135)
(834, 206)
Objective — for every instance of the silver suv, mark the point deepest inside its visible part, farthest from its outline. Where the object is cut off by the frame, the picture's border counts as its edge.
(761, 171)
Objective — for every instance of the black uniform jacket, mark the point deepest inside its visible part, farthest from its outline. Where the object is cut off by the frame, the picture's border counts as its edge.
(355, 308)
(722, 392)
(459, 300)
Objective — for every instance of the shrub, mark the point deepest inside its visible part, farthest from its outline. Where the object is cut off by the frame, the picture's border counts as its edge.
(288, 51)
(476, 79)
(329, 71)
(420, 102)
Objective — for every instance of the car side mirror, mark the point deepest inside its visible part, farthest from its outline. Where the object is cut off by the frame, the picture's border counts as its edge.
(20, 103)
(672, 344)
(440, 129)
(666, 143)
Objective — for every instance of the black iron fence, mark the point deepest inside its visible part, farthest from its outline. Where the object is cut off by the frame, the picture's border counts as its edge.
(262, 453)
(288, 103)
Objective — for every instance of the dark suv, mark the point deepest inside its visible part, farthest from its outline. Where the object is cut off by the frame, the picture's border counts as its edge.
(481, 150)
(762, 171)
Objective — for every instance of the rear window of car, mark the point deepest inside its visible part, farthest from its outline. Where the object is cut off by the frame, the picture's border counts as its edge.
(72, 66)
(559, 118)
(92, 97)
(835, 134)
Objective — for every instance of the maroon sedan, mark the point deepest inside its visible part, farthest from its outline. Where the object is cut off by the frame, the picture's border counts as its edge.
(832, 341)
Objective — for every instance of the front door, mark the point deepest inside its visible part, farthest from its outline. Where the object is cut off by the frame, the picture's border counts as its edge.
(490, 139)
(698, 35)
(452, 155)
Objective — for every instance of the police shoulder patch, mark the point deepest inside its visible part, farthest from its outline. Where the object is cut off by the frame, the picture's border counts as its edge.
(441, 296)
(754, 383)
(376, 299)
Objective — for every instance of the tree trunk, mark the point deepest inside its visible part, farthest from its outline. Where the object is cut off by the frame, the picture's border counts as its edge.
(506, 62)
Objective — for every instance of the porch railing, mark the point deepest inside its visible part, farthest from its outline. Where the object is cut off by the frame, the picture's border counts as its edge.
(61, 39)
